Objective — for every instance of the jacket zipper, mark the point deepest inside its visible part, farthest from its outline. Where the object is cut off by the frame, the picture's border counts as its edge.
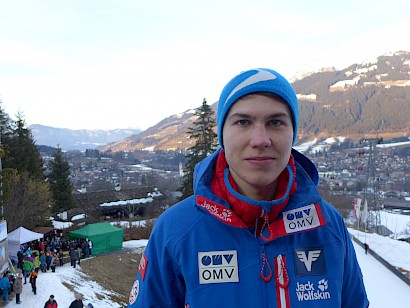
(281, 282)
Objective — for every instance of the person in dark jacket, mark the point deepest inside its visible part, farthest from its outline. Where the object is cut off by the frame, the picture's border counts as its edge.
(33, 281)
(256, 232)
(20, 257)
(73, 256)
(366, 247)
(12, 279)
(77, 303)
(54, 263)
(18, 287)
(48, 259)
(51, 303)
(86, 249)
(79, 253)
(61, 257)
(43, 265)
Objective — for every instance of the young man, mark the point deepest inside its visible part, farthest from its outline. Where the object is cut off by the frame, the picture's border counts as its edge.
(256, 233)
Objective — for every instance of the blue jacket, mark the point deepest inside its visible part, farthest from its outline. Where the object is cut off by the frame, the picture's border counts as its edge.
(5, 283)
(197, 257)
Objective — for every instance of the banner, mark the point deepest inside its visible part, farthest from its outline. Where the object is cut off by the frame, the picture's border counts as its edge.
(365, 211)
(357, 203)
(3, 246)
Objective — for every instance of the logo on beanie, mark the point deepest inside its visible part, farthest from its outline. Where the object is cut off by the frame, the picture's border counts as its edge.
(261, 75)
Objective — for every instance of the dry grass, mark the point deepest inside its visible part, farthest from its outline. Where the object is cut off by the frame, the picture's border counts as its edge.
(114, 271)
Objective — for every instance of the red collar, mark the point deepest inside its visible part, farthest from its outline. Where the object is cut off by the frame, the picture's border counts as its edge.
(249, 213)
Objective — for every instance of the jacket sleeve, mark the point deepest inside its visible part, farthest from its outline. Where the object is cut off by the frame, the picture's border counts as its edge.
(353, 292)
(159, 282)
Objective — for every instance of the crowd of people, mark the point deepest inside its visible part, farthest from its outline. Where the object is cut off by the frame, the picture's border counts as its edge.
(42, 256)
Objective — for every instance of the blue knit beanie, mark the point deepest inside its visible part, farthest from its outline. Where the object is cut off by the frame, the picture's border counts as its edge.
(256, 81)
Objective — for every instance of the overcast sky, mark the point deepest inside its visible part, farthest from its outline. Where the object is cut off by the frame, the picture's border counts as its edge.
(105, 64)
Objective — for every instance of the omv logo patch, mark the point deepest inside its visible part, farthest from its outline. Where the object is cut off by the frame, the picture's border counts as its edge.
(301, 219)
(218, 266)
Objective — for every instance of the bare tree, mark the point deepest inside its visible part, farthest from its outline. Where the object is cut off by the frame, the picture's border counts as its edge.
(27, 201)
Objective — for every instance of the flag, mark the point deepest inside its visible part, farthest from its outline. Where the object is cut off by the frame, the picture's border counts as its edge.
(365, 211)
(357, 203)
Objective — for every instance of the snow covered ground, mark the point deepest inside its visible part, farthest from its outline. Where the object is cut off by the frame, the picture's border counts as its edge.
(395, 252)
(384, 289)
(52, 283)
(397, 223)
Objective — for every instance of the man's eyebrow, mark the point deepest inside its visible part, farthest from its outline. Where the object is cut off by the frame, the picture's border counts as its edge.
(239, 115)
(278, 115)
(249, 116)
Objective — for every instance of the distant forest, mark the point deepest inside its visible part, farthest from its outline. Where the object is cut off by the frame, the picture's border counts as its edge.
(358, 109)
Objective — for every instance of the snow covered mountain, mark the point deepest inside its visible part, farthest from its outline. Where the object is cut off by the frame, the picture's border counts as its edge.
(83, 139)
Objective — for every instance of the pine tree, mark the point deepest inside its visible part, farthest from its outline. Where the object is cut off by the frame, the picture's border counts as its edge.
(4, 124)
(206, 143)
(60, 184)
(26, 196)
(20, 149)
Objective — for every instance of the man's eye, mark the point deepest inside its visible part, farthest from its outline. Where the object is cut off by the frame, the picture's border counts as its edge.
(275, 123)
(242, 122)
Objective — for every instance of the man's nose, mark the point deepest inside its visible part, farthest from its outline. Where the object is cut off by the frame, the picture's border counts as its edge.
(260, 137)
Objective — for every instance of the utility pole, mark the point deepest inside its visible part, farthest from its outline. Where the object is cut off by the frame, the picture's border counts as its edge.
(3, 127)
(1, 176)
(374, 205)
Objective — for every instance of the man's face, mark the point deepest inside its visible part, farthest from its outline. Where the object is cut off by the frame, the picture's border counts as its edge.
(257, 137)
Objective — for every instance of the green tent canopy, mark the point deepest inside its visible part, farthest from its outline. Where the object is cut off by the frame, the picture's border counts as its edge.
(104, 236)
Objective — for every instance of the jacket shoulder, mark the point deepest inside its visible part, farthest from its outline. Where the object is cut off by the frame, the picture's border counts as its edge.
(334, 222)
(177, 221)
(183, 213)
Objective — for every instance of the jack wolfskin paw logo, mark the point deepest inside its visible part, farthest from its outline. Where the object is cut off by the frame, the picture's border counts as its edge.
(322, 285)
(226, 213)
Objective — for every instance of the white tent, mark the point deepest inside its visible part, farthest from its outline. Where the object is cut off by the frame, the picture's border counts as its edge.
(20, 236)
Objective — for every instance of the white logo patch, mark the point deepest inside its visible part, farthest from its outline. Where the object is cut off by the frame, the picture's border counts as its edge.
(312, 256)
(308, 292)
(218, 266)
(301, 219)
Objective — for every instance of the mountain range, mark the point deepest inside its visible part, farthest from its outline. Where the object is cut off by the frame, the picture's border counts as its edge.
(69, 139)
(363, 99)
